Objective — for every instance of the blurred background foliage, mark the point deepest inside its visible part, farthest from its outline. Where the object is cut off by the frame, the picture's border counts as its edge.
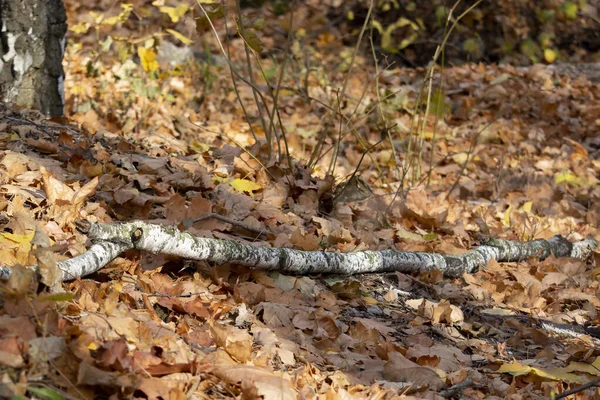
(518, 32)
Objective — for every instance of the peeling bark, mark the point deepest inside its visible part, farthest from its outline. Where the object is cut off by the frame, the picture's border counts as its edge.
(32, 43)
(112, 239)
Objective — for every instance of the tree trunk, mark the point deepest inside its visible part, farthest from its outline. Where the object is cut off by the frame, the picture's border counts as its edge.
(32, 44)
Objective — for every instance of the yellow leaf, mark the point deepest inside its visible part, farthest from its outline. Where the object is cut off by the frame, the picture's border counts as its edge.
(369, 301)
(96, 16)
(78, 90)
(111, 21)
(148, 59)
(19, 244)
(591, 369)
(181, 38)
(199, 147)
(175, 12)
(557, 374)
(527, 206)
(244, 185)
(15, 240)
(429, 135)
(81, 27)
(514, 368)
(7, 256)
(549, 55)
(568, 178)
(121, 18)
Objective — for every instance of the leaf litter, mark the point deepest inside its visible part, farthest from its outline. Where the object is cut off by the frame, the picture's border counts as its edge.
(154, 327)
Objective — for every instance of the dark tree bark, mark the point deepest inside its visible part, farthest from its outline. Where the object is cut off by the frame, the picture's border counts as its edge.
(32, 43)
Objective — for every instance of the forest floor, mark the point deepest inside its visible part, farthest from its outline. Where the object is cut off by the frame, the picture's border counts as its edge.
(504, 152)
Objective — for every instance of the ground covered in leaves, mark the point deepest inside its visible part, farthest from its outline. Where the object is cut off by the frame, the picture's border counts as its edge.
(501, 152)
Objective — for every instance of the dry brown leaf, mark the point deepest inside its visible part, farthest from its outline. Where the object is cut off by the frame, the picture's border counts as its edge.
(256, 382)
(401, 369)
(236, 342)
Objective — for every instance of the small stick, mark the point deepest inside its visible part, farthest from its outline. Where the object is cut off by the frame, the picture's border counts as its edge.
(581, 388)
(456, 389)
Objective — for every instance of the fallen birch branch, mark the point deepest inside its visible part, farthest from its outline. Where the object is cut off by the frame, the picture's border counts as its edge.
(110, 240)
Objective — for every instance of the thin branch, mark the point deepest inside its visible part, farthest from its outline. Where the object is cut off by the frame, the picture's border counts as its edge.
(110, 240)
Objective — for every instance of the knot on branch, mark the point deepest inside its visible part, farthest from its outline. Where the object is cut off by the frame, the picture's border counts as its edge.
(83, 225)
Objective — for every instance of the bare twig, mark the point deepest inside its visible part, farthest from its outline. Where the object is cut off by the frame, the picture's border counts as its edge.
(456, 389)
(578, 389)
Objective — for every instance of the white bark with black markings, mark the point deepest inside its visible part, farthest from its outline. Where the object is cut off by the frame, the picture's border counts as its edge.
(110, 240)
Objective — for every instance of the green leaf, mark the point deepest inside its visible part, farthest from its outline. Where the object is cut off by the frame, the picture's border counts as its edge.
(569, 9)
(203, 22)
(258, 24)
(473, 47)
(430, 236)
(437, 106)
(441, 13)
(45, 393)
(58, 297)
(252, 40)
(530, 48)
(546, 15)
